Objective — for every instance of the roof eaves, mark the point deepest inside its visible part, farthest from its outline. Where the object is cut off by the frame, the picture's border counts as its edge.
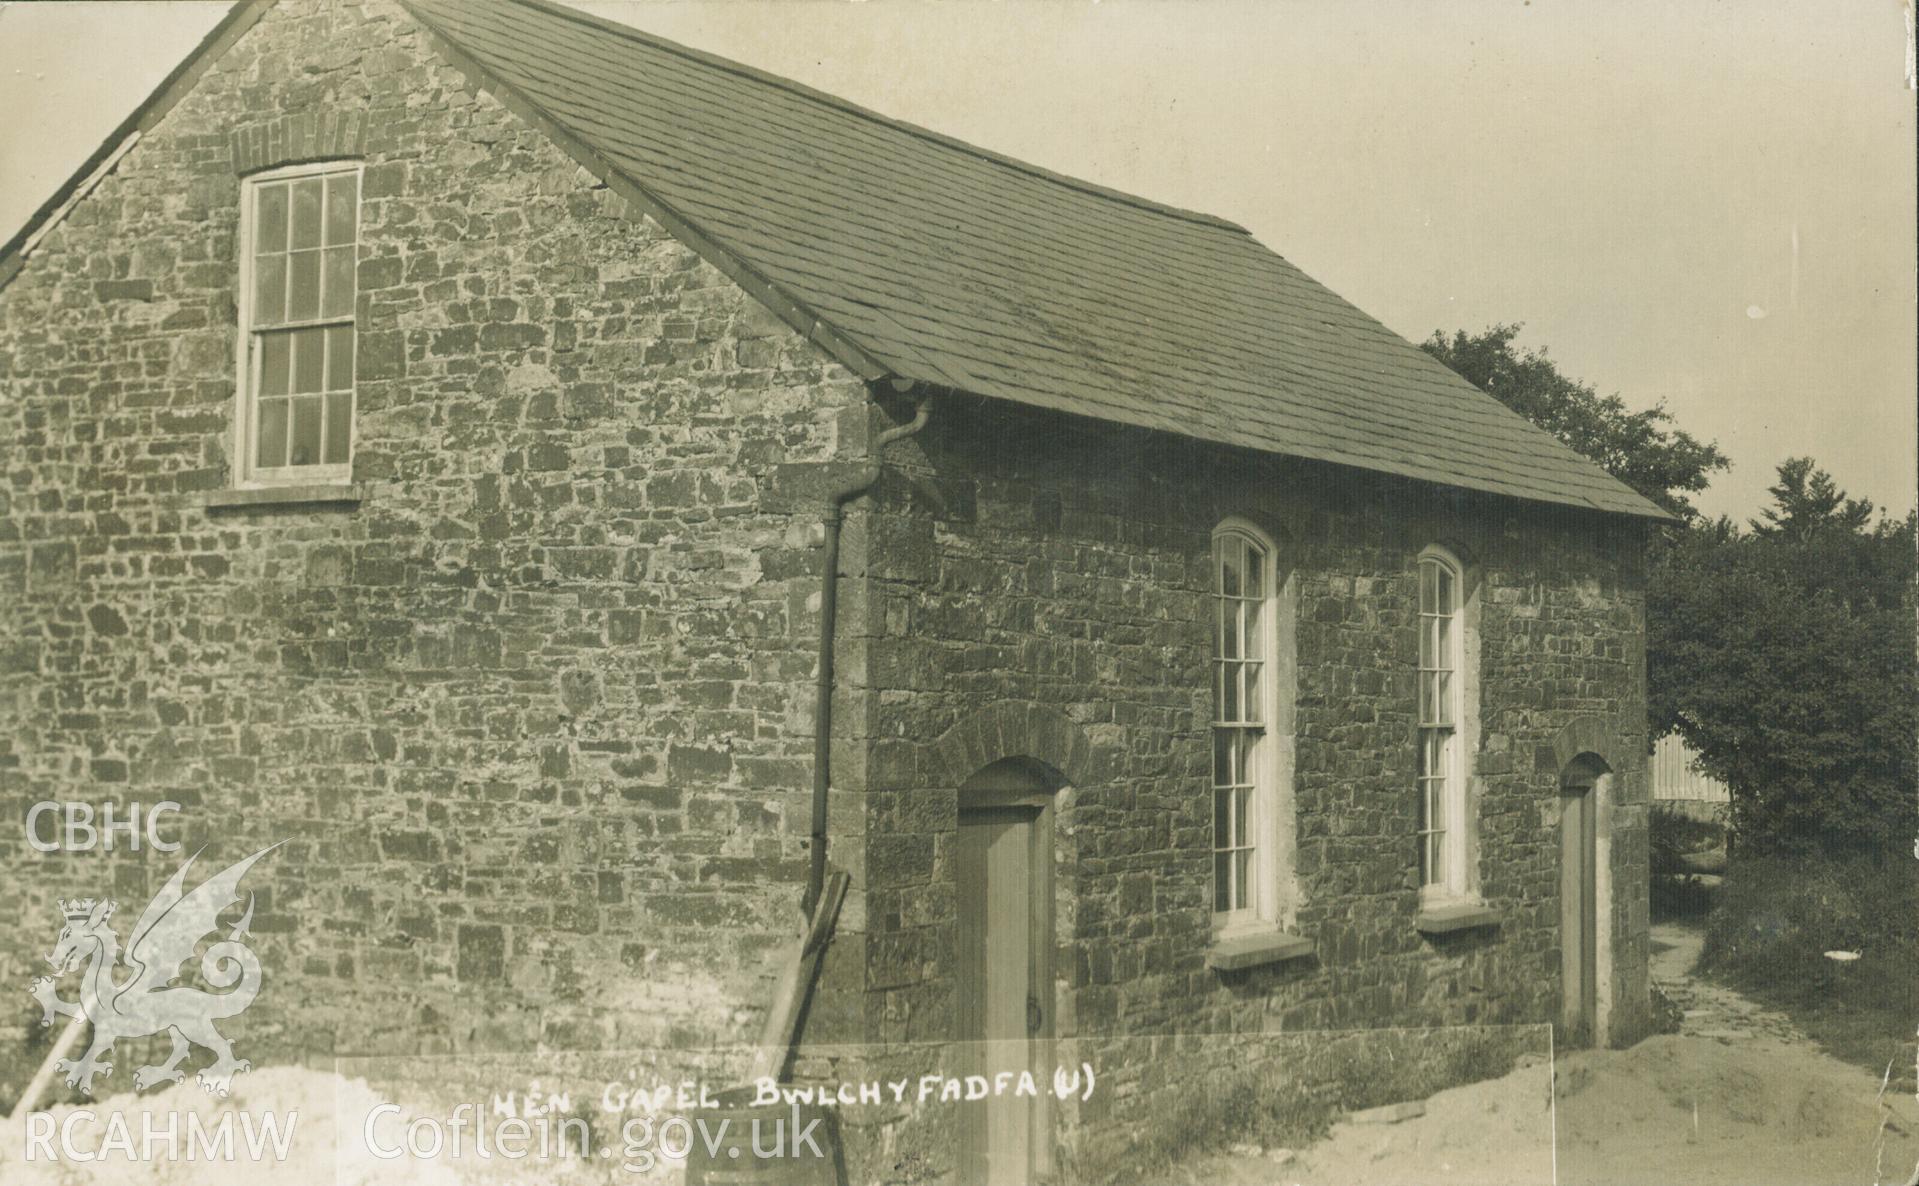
(242, 16)
(782, 304)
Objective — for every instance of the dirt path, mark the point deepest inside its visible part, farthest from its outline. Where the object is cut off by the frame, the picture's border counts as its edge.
(1710, 1011)
(1737, 1098)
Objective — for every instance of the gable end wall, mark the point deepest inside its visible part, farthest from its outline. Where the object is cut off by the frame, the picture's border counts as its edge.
(534, 719)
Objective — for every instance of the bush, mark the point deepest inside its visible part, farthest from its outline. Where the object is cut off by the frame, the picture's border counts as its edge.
(1676, 897)
(1773, 922)
(1671, 836)
(1678, 892)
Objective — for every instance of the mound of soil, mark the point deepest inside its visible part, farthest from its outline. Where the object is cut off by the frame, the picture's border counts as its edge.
(1675, 1109)
(325, 1145)
(1690, 1109)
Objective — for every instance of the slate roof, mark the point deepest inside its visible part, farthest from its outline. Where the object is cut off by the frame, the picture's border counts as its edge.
(911, 255)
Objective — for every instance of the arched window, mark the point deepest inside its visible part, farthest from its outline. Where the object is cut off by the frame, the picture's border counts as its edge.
(1444, 677)
(1252, 731)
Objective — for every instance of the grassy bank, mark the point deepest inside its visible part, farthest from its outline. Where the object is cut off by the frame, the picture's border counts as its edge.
(1772, 922)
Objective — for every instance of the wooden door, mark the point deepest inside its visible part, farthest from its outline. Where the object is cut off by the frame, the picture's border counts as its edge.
(1003, 982)
(1578, 910)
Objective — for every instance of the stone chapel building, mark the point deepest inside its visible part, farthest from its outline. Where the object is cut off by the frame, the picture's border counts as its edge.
(419, 420)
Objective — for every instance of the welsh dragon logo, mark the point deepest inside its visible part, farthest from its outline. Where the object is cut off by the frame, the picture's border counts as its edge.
(148, 1000)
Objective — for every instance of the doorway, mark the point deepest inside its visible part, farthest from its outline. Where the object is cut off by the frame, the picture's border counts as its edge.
(1579, 916)
(1004, 982)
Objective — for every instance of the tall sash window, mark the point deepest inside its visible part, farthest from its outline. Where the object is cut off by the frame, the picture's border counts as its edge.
(299, 235)
(1441, 778)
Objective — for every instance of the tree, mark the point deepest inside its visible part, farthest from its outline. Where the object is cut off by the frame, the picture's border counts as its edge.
(1784, 655)
(1641, 449)
(1809, 502)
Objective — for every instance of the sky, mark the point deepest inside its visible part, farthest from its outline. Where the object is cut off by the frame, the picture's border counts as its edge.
(1702, 203)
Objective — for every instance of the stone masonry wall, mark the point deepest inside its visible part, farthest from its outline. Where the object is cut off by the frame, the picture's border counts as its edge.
(1058, 568)
(534, 718)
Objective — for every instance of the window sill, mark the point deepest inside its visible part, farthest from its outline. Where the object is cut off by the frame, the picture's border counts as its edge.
(1256, 949)
(1455, 916)
(334, 494)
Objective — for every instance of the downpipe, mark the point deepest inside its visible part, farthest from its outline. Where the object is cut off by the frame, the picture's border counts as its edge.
(829, 613)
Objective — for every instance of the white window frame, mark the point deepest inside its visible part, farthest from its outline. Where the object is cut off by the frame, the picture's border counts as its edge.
(1443, 825)
(1270, 765)
(247, 474)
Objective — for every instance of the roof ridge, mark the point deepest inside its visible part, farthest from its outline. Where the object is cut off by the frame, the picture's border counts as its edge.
(568, 12)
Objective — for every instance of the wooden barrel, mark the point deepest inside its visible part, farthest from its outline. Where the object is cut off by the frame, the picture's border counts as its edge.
(736, 1158)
